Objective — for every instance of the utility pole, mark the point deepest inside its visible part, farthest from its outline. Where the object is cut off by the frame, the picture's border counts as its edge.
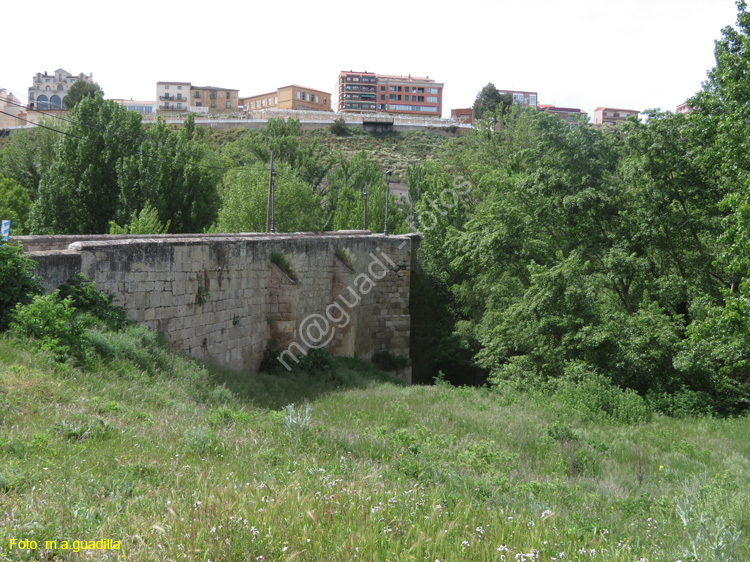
(387, 195)
(364, 194)
(270, 222)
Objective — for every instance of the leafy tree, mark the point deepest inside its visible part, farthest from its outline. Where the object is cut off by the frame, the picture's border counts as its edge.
(15, 204)
(79, 193)
(309, 160)
(176, 174)
(144, 222)
(345, 202)
(29, 153)
(490, 104)
(244, 200)
(82, 89)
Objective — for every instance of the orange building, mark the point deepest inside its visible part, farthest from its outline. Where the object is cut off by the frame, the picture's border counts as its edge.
(289, 97)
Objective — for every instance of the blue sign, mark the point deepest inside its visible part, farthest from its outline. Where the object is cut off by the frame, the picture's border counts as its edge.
(6, 230)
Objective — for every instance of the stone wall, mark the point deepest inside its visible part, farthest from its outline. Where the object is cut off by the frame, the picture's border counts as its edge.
(224, 300)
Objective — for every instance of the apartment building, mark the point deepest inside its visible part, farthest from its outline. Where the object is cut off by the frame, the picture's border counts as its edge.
(179, 97)
(357, 92)
(521, 97)
(49, 89)
(289, 97)
(367, 92)
(612, 115)
(172, 97)
(210, 99)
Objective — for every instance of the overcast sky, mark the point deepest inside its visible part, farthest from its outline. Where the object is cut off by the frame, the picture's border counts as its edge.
(630, 54)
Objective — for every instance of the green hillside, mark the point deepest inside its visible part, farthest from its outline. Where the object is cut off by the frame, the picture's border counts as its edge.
(339, 462)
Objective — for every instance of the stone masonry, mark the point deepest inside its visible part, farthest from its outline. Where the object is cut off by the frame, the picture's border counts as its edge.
(224, 300)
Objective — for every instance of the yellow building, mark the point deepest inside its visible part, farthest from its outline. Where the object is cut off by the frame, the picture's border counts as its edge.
(289, 97)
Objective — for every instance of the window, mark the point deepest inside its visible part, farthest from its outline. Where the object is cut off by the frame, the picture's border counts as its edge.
(399, 88)
(406, 88)
(199, 104)
(275, 100)
(197, 94)
(166, 87)
(432, 99)
(179, 96)
(420, 98)
(213, 103)
(382, 107)
(518, 99)
(432, 90)
(179, 106)
(532, 99)
(415, 108)
(227, 95)
(325, 101)
(392, 97)
(229, 104)
(406, 98)
(179, 87)
(392, 88)
(317, 98)
(399, 97)
(382, 97)
(420, 90)
(166, 105)
(299, 94)
(355, 79)
(382, 88)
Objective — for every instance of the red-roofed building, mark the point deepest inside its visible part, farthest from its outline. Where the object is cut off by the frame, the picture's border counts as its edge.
(569, 114)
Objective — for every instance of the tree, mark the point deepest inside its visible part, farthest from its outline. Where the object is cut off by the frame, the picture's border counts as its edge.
(15, 204)
(79, 193)
(244, 201)
(18, 283)
(176, 174)
(491, 103)
(81, 89)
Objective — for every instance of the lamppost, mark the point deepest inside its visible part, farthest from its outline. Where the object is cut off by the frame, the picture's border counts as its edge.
(387, 196)
(364, 194)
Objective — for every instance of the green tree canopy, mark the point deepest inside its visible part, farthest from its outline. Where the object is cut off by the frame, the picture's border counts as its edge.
(82, 89)
(15, 204)
(244, 200)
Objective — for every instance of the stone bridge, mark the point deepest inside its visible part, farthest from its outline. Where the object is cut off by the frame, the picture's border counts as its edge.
(227, 298)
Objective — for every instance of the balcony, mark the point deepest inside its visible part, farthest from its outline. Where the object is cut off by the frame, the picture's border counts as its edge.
(172, 108)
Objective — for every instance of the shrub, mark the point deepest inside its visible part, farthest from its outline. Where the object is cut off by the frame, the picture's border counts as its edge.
(51, 323)
(339, 127)
(17, 281)
(87, 298)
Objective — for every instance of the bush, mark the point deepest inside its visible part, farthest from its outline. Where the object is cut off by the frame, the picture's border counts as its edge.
(87, 298)
(339, 127)
(51, 323)
(595, 397)
(17, 281)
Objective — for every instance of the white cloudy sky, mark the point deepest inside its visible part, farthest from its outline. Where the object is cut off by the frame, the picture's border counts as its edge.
(633, 54)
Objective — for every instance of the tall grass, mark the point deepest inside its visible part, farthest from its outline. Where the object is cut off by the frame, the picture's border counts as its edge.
(182, 462)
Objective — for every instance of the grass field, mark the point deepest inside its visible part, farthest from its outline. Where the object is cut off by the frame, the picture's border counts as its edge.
(177, 462)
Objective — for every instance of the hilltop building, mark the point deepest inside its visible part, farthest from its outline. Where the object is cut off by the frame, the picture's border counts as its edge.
(9, 104)
(612, 115)
(48, 91)
(289, 97)
(521, 97)
(367, 92)
(184, 97)
(569, 114)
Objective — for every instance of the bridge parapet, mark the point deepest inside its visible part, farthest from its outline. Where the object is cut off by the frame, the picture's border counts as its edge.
(223, 299)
